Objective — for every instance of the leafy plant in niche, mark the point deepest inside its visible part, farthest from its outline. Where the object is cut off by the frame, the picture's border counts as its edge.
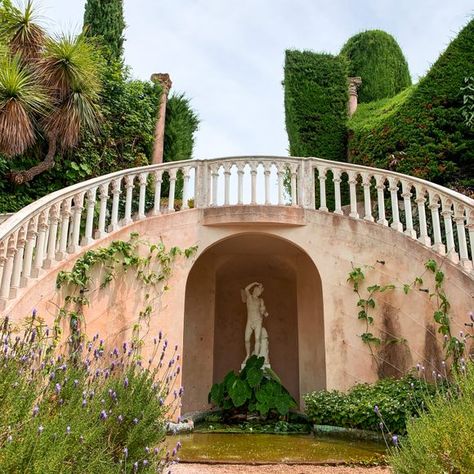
(254, 390)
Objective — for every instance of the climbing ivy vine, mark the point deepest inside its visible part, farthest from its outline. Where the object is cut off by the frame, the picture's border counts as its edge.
(453, 346)
(152, 264)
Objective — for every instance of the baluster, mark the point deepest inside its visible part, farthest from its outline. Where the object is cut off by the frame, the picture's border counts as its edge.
(266, 173)
(76, 222)
(29, 248)
(406, 194)
(53, 234)
(142, 179)
(157, 200)
(322, 176)
(2, 258)
(293, 171)
(240, 183)
(336, 179)
(7, 271)
(447, 214)
(281, 176)
(424, 238)
(214, 178)
(352, 175)
(470, 228)
(65, 219)
(380, 186)
(201, 198)
(103, 197)
(227, 167)
(129, 184)
(393, 188)
(186, 171)
(438, 245)
(172, 175)
(367, 202)
(253, 179)
(307, 198)
(460, 220)
(39, 255)
(91, 198)
(18, 262)
(116, 184)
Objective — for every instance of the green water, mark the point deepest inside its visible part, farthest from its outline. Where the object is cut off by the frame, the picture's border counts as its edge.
(270, 448)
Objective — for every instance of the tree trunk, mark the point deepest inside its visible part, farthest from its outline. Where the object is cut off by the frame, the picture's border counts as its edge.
(20, 177)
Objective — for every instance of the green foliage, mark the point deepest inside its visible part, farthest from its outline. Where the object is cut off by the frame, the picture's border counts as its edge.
(468, 101)
(441, 439)
(254, 389)
(96, 414)
(396, 400)
(104, 20)
(181, 125)
(422, 132)
(375, 56)
(316, 98)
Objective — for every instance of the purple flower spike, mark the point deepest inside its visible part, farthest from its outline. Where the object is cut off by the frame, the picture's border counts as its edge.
(376, 409)
(103, 415)
(76, 382)
(135, 421)
(58, 388)
(145, 462)
(395, 440)
(160, 335)
(173, 454)
(125, 452)
(156, 451)
(34, 313)
(36, 410)
(68, 430)
(147, 449)
(178, 445)
(81, 439)
(120, 418)
(10, 438)
(40, 429)
(135, 466)
(125, 382)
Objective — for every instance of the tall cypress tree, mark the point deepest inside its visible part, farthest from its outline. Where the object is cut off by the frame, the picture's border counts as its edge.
(104, 19)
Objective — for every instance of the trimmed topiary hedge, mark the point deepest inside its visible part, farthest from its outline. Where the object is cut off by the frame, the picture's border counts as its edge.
(316, 95)
(422, 131)
(376, 57)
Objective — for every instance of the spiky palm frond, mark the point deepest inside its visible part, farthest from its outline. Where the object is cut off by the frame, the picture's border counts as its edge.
(70, 62)
(77, 112)
(21, 31)
(22, 99)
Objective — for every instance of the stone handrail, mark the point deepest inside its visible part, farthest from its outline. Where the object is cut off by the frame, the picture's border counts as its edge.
(43, 234)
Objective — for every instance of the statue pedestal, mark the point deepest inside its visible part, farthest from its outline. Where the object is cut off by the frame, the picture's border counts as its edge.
(265, 366)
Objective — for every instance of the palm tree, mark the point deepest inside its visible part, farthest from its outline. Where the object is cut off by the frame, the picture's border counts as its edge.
(49, 88)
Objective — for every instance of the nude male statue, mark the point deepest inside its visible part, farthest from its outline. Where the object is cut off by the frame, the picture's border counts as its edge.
(256, 311)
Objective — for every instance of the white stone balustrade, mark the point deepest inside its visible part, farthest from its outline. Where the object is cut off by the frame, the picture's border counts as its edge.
(59, 225)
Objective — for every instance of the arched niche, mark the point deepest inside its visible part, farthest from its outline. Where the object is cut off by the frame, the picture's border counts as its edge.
(215, 316)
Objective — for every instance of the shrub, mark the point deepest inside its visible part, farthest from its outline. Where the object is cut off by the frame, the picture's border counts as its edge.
(100, 413)
(376, 57)
(396, 400)
(423, 132)
(254, 389)
(316, 95)
(441, 440)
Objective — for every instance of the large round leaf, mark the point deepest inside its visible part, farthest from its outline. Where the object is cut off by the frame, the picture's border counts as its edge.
(240, 392)
(217, 394)
(254, 376)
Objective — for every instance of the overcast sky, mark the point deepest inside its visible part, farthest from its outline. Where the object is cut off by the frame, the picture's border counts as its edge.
(227, 55)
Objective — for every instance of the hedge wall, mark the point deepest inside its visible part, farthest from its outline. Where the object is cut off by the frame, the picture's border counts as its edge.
(316, 95)
(375, 56)
(422, 131)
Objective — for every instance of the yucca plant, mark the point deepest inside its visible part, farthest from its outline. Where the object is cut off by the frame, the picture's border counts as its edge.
(49, 88)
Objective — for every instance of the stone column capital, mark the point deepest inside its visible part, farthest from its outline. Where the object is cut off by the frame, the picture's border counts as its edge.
(164, 80)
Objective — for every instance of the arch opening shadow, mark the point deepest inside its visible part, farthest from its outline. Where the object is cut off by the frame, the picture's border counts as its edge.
(215, 316)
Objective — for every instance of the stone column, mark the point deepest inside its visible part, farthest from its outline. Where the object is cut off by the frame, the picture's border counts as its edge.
(354, 84)
(165, 82)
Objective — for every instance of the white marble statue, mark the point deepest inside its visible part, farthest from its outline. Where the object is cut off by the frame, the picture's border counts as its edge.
(256, 311)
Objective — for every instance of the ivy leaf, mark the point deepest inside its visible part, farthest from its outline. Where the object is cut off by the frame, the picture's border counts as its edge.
(431, 265)
(406, 288)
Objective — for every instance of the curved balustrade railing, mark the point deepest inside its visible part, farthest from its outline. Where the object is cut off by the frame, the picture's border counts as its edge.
(42, 234)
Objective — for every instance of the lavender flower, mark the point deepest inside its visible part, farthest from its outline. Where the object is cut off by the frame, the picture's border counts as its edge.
(84, 403)
(40, 429)
(376, 410)
(10, 438)
(103, 415)
(125, 452)
(395, 440)
(120, 418)
(58, 388)
(135, 421)
(125, 382)
(68, 430)
(145, 462)
(156, 451)
(135, 466)
(35, 410)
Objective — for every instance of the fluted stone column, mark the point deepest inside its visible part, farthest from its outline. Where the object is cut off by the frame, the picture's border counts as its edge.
(165, 82)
